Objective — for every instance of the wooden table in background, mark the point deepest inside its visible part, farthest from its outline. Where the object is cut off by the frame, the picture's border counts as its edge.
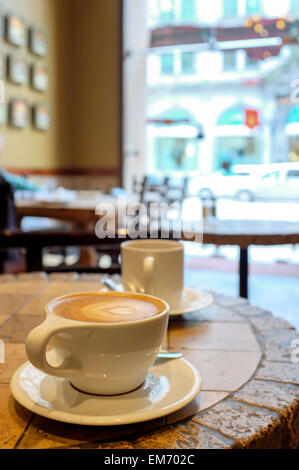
(244, 233)
(81, 212)
(249, 395)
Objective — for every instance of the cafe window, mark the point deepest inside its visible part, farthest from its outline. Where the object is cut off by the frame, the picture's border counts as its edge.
(253, 7)
(188, 11)
(236, 150)
(234, 145)
(175, 153)
(230, 8)
(167, 64)
(174, 141)
(229, 61)
(188, 63)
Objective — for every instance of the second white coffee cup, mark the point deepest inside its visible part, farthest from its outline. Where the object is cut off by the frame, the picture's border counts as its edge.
(154, 267)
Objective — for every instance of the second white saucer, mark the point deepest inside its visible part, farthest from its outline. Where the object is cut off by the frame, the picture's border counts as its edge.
(193, 300)
(170, 386)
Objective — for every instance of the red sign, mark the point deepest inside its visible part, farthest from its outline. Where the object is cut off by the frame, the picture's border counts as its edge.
(251, 118)
(168, 122)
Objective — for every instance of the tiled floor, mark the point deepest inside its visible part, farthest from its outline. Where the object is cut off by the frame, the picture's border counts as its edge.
(279, 294)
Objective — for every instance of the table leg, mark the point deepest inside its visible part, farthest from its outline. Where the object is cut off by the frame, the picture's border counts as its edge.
(243, 273)
(2, 262)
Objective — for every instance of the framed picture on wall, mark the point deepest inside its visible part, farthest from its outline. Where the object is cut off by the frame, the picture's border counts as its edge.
(15, 30)
(38, 41)
(2, 113)
(2, 65)
(18, 113)
(42, 116)
(17, 69)
(39, 77)
(1, 24)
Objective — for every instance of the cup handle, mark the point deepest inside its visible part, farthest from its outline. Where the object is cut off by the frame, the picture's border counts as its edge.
(36, 346)
(148, 268)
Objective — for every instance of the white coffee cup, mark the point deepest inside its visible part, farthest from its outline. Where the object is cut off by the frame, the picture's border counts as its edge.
(99, 358)
(154, 267)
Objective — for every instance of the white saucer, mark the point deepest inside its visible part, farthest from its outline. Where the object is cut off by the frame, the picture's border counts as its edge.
(193, 300)
(171, 385)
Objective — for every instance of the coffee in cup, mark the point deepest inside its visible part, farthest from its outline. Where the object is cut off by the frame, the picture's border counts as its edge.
(105, 309)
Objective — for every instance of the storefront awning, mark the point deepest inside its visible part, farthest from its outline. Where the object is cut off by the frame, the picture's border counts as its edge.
(175, 122)
(231, 117)
(173, 116)
(240, 116)
(237, 121)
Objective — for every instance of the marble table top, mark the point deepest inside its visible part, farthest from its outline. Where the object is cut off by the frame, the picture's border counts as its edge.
(249, 394)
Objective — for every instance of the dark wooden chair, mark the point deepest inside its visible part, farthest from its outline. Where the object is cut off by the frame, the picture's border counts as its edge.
(152, 193)
(34, 243)
(162, 190)
(8, 218)
(153, 190)
(12, 259)
(176, 192)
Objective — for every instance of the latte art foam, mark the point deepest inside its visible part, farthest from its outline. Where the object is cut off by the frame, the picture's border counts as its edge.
(105, 309)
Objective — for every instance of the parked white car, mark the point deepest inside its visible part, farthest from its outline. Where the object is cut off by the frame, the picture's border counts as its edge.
(240, 183)
(280, 183)
(248, 182)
